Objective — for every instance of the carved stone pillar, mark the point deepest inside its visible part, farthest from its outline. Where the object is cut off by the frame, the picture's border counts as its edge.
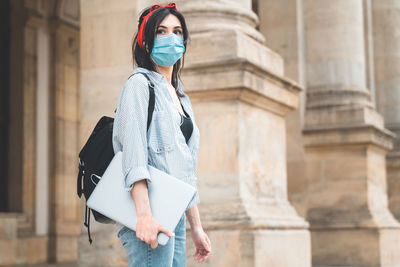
(346, 144)
(386, 18)
(281, 23)
(107, 29)
(65, 212)
(241, 99)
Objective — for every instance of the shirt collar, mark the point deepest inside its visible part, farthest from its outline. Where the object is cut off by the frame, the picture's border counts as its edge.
(157, 77)
(153, 74)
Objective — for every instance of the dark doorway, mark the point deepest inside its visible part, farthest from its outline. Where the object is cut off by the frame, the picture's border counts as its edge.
(4, 100)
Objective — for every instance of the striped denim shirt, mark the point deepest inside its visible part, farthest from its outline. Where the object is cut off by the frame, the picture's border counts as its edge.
(163, 145)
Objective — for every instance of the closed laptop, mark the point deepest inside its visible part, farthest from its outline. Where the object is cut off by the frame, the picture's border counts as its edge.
(168, 197)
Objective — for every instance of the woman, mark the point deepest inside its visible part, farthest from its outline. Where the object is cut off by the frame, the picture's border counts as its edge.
(171, 143)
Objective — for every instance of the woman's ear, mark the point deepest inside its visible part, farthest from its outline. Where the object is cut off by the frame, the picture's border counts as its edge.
(146, 47)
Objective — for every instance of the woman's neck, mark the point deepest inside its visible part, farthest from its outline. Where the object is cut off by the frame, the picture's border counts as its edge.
(165, 71)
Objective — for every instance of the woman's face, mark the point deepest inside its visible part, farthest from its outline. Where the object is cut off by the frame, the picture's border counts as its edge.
(170, 24)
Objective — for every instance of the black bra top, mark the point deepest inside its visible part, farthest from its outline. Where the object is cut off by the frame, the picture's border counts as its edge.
(186, 125)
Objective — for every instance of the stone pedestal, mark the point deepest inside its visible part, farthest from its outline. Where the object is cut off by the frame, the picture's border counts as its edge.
(386, 15)
(18, 249)
(346, 144)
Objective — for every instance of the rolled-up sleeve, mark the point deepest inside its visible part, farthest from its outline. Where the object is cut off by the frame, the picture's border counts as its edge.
(194, 201)
(196, 198)
(130, 129)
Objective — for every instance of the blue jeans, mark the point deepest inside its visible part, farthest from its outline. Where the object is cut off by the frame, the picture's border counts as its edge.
(141, 254)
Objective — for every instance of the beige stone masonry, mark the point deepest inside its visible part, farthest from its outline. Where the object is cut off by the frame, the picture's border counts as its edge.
(346, 144)
(386, 15)
(107, 29)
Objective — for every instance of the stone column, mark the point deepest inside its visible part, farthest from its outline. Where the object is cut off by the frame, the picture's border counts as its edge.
(386, 18)
(65, 213)
(107, 29)
(281, 23)
(346, 144)
(241, 99)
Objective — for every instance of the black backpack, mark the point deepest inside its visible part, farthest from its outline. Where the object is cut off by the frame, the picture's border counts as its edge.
(97, 154)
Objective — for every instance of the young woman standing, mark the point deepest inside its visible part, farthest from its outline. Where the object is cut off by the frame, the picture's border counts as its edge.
(171, 143)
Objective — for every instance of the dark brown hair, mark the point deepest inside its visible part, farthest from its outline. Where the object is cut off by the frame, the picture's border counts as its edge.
(142, 56)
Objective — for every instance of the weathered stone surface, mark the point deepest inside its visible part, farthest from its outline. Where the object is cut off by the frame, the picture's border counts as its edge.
(107, 29)
(256, 248)
(265, 141)
(386, 39)
(347, 142)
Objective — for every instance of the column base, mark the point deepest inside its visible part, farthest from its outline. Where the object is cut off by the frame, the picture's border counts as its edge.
(105, 250)
(347, 204)
(393, 177)
(251, 216)
(356, 247)
(63, 249)
(258, 248)
(16, 249)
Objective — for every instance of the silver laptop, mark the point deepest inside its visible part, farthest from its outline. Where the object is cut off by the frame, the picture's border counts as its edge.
(168, 197)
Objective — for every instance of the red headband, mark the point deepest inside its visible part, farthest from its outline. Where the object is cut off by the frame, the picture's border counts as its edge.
(145, 18)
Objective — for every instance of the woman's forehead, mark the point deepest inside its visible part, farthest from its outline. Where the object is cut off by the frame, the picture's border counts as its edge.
(170, 21)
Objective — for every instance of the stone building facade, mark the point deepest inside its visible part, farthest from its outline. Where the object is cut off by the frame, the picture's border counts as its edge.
(305, 92)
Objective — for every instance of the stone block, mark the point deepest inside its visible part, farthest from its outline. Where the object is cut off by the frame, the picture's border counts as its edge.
(108, 39)
(105, 251)
(8, 227)
(231, 45)
(32, 249)
(256, 248)
(8, 251)
(356, 247)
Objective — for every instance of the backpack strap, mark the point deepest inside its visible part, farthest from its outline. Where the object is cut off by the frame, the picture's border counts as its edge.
(81, 167)
(151, 100)
(87, 222)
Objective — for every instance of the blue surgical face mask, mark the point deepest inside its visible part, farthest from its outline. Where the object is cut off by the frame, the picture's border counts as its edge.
(167, 49)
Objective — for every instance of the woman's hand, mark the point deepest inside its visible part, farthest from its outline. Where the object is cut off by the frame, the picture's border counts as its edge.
(147, 229)
(202, 244)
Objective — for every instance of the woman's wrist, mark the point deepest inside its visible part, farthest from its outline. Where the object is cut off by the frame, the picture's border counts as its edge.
(143, 216)
(196, 229)
(141, 199)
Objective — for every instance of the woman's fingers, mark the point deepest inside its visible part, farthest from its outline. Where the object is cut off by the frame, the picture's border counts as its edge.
(202, 255)
(197, 255)
(208, 241)
(205, 255)
(166, 231)
(154, 243)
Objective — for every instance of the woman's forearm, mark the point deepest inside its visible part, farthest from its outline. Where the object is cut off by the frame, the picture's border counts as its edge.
(142, 204)
(141, 198)
(193, 217)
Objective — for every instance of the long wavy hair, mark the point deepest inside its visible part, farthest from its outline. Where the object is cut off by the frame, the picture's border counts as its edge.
(142, 56)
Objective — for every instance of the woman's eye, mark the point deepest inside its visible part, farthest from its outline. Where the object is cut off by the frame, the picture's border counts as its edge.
(177, 32)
